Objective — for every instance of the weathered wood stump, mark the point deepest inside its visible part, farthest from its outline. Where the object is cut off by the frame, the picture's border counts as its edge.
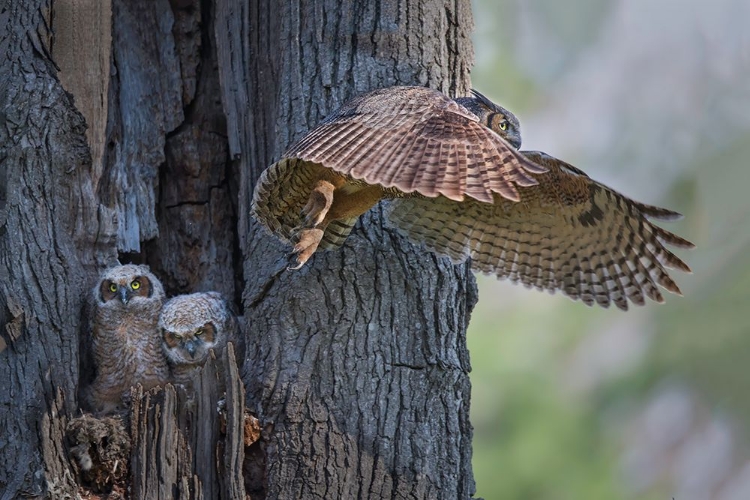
(180, 447)
(178, 444)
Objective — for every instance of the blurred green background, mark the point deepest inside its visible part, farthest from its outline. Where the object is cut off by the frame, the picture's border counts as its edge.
(571, 402)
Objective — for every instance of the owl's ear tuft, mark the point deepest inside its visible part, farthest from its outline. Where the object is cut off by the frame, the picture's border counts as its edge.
(484, 100)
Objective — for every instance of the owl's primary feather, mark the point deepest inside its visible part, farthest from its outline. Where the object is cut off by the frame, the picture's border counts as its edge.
(191, 325)
(125, 338)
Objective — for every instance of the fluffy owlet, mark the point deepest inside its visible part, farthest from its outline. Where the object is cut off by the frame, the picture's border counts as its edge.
(193, 324)
(463, 189)
(125, 336)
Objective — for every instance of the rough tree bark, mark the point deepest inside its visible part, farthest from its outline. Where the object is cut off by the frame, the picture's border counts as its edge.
(144, 75)
(47, 213)
(356, 365)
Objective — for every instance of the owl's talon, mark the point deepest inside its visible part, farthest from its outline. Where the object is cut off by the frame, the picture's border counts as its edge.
(318, 204)
(307, 243)
(294, 268)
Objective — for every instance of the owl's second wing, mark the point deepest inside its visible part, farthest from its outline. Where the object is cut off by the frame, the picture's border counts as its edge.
(567, 233)
(417, 140)
(281, 192)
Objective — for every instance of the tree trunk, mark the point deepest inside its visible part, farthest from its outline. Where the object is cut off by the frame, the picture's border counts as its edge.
(356, 365)
(48, 229)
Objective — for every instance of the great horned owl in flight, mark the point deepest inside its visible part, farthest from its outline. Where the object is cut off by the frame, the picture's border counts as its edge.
(126, 303)
(463, 189)
(193, 324)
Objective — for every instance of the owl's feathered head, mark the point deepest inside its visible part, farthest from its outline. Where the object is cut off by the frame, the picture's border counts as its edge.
(128, 286)
(192, 324)
(496, 118)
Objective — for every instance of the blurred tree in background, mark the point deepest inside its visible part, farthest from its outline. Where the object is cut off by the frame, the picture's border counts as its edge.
(652, 98)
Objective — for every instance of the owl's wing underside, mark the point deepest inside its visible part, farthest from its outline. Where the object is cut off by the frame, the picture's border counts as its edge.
(417, 139)
(280, 194)
(567, 233)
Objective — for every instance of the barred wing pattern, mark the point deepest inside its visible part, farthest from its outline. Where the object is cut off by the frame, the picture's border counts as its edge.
(280, 194)
(417, 139)
(567, 233)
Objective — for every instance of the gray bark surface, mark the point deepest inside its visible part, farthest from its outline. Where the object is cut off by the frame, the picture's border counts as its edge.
(356, 365)
(44, 227)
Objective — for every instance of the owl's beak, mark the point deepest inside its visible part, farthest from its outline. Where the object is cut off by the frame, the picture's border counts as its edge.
(124, 294)
(190, 347)
(515, 140)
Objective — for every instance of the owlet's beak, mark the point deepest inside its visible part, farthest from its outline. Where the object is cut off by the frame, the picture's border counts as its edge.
(124, 294)
(190, 347)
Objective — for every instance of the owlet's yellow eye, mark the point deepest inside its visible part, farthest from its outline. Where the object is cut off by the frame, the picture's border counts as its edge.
(112, 287)
(135, 285)
(169, 335)
(199, 332)
(504, 125)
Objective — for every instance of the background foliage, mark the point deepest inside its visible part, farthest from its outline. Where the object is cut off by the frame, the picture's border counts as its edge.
(651, 98)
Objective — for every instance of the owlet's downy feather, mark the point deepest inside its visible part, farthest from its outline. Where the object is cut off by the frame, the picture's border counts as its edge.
(191, 325)
(462, 189)
(126, 303)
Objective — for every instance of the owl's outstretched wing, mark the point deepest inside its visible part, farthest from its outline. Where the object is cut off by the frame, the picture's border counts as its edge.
(567, 233)
(417, 140)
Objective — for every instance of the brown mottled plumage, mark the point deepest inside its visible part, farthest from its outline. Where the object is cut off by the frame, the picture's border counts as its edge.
(418, 140)
(568, 233)
(125, 337)
(462, 189)
(193, 324)
(389, 143)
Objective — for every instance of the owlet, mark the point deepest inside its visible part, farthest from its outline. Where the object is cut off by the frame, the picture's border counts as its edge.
(193, 324)
(125, 336)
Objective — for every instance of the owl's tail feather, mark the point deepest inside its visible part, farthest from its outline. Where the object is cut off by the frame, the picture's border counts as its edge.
(280, 194)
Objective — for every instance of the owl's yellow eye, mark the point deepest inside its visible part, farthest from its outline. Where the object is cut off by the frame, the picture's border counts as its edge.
(112, 287)
(135, 285)
(504, 125)
(199, 332)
